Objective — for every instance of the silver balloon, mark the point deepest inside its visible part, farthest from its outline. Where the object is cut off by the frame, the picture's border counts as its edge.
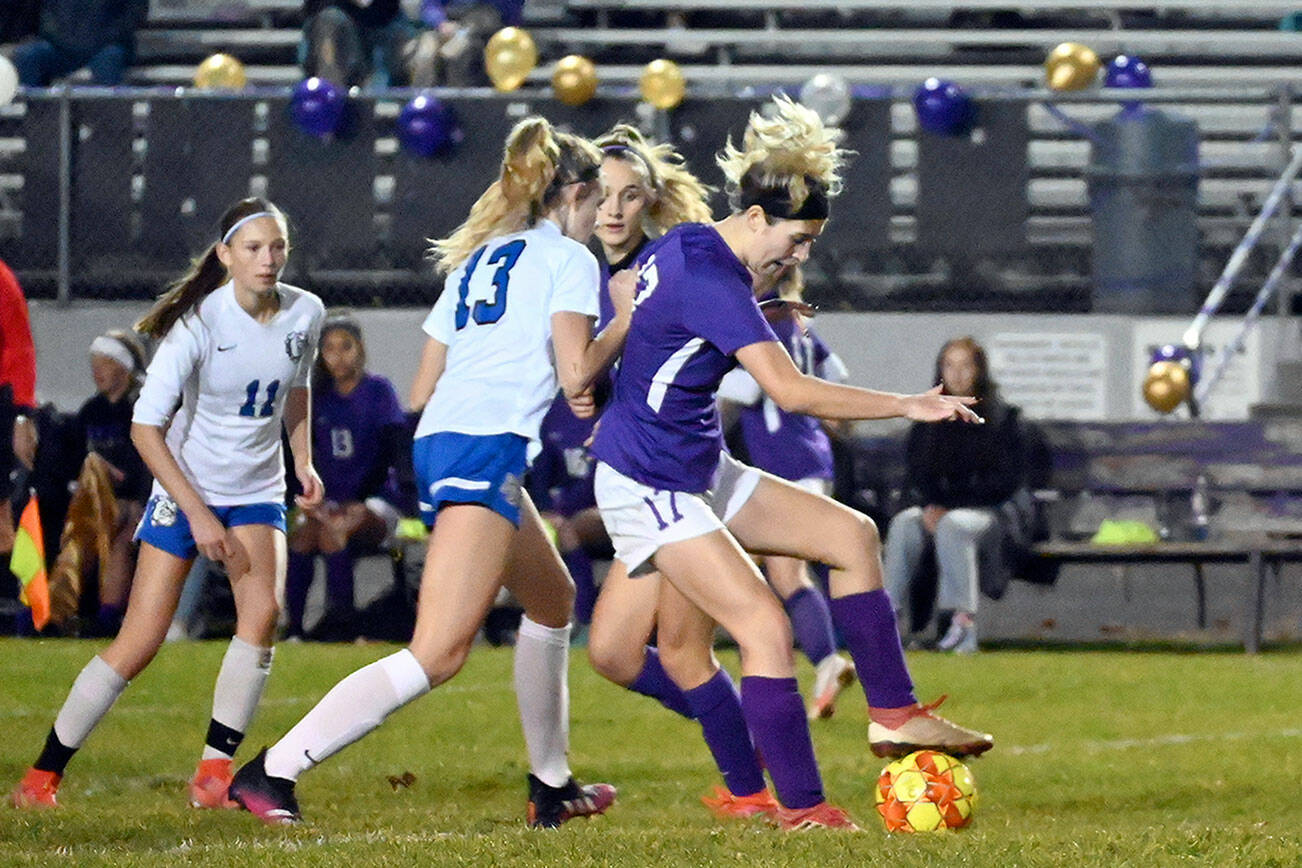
(828, 95)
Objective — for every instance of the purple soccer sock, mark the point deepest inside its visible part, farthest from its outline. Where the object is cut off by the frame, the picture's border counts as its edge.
(585, 586)
(298, 580)
(716, 706)
(811, 621)
(776, 715)
(654, 682)
(867, 622)
(339, 581)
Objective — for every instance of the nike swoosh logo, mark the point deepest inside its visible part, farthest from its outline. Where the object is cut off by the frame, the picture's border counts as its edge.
(224, 349)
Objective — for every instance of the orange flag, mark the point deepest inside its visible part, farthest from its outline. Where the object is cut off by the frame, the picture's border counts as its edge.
(28, 563)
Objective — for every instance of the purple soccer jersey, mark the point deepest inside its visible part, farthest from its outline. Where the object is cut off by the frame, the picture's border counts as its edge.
(693, 310)
(346, 436)
(560, 478)
(791, 445)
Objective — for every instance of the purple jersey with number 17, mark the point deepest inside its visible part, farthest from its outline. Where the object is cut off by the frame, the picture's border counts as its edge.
(693, 310)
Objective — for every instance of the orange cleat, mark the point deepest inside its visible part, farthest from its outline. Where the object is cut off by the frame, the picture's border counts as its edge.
(724, 805)
(36, 791)
(820, 816)
(209, 785)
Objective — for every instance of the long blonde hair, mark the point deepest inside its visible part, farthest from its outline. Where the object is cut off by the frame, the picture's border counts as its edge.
(675, 194)
(537, 161)
(789, 153)
(206, 273)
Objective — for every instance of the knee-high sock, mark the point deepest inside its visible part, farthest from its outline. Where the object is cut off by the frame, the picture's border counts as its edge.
(717, 707)
(867, 622)
(351, 709)
(339, 581)
(653, 681)
(542, 693)
(776, 716)
(811, 621)
(298, 581)
(93, 693)
(585, 585)
(235, 698)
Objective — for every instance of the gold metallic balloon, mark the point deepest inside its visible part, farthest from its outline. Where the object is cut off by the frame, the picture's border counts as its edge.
(1166, 386)
(1071, 66)
(574, 79)
(220, 72)
(509, 57)
(662, 84)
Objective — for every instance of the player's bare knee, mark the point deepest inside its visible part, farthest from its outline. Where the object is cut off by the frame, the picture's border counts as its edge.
(613, 660)
(688, 666)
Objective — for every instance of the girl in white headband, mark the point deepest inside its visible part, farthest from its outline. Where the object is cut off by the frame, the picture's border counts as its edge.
(233, 364)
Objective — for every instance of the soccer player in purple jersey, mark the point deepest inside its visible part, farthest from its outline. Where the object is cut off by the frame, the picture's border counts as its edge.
(673, 501)
(357, 431)
(521, 291)
(795, 447)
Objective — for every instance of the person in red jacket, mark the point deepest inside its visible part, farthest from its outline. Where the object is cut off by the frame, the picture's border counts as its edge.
(17, 394)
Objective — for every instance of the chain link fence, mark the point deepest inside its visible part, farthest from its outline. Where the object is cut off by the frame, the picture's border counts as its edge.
(108, 194)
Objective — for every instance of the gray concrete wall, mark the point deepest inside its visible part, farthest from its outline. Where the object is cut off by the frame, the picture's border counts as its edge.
(891, 351)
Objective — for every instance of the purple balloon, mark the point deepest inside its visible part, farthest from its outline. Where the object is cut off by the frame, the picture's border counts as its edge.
(317, 107)
(943, 108)
(1192, 361)
(427, 127)
(1129, 72)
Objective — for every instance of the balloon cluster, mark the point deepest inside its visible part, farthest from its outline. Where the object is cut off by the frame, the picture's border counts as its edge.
(1172, 374)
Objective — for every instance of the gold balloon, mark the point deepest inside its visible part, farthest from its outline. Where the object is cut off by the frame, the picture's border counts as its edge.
(220, 72)
(1071, 66)
(1166, 386)
(509, 57)
(574, 79)
(662, 84)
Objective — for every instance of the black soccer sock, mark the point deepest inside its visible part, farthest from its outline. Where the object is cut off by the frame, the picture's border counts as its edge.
(54, 757)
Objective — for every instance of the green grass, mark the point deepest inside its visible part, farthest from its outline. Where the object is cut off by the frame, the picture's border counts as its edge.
(1103, 757)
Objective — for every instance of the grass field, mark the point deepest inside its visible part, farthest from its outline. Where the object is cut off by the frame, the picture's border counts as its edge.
(1103, 757)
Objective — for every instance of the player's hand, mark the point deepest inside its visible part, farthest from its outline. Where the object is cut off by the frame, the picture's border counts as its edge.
(25, 441)
(931, 516)
(210, 536)
(932, 406)
(583, 405)
(313, 488)
(622, 286)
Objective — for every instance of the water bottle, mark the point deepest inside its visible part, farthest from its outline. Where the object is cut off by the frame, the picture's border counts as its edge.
(1199, 506)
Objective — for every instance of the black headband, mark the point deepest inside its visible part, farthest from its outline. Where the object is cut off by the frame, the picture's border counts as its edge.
(618, 150)
(776, 201)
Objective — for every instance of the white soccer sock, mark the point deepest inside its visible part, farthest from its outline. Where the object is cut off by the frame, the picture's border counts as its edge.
(542, 693)
(351, 709)
(97, 687)
(235, 698)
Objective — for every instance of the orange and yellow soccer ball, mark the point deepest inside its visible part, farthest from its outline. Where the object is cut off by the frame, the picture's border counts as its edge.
(926, 791)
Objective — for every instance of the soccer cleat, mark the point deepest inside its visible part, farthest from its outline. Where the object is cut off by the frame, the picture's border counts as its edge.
(36, 791)
(925, 730)
(209, 785)
(820, 816)
(961, 637)
(270, 799)
(551, 806)
(724, 805)
(834, 674)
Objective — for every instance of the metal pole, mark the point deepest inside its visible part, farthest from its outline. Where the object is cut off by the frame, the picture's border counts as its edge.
(1284, 217)
(65, 196)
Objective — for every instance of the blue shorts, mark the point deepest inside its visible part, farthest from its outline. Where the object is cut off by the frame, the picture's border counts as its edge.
(469, 468)
(164, 525)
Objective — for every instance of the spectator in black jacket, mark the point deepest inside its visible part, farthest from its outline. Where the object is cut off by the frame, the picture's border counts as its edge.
(960, 475)
(73, 34)
(345, 41)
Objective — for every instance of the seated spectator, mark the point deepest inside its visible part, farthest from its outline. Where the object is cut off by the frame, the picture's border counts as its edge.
(349, 41)
(76, 34)
(101, 431)
(959, 475)
(451, 52)
(358, 433)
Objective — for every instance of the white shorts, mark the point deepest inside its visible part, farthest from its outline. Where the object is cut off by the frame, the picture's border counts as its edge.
(814, 485)
(640, 519)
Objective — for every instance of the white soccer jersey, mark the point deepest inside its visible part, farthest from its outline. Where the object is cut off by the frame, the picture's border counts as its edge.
(231, 374)
(494, 315)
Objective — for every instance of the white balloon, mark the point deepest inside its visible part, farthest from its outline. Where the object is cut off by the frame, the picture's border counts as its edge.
(8, 81)
(828, 95)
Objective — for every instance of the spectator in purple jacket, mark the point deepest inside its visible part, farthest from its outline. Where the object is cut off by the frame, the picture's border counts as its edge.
(358, 428)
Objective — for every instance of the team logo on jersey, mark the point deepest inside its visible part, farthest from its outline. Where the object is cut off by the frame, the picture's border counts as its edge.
(295, 344)
(510, 489)
(165, 512)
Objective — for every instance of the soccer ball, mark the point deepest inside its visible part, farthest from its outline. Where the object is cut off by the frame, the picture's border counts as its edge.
(926, 791)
